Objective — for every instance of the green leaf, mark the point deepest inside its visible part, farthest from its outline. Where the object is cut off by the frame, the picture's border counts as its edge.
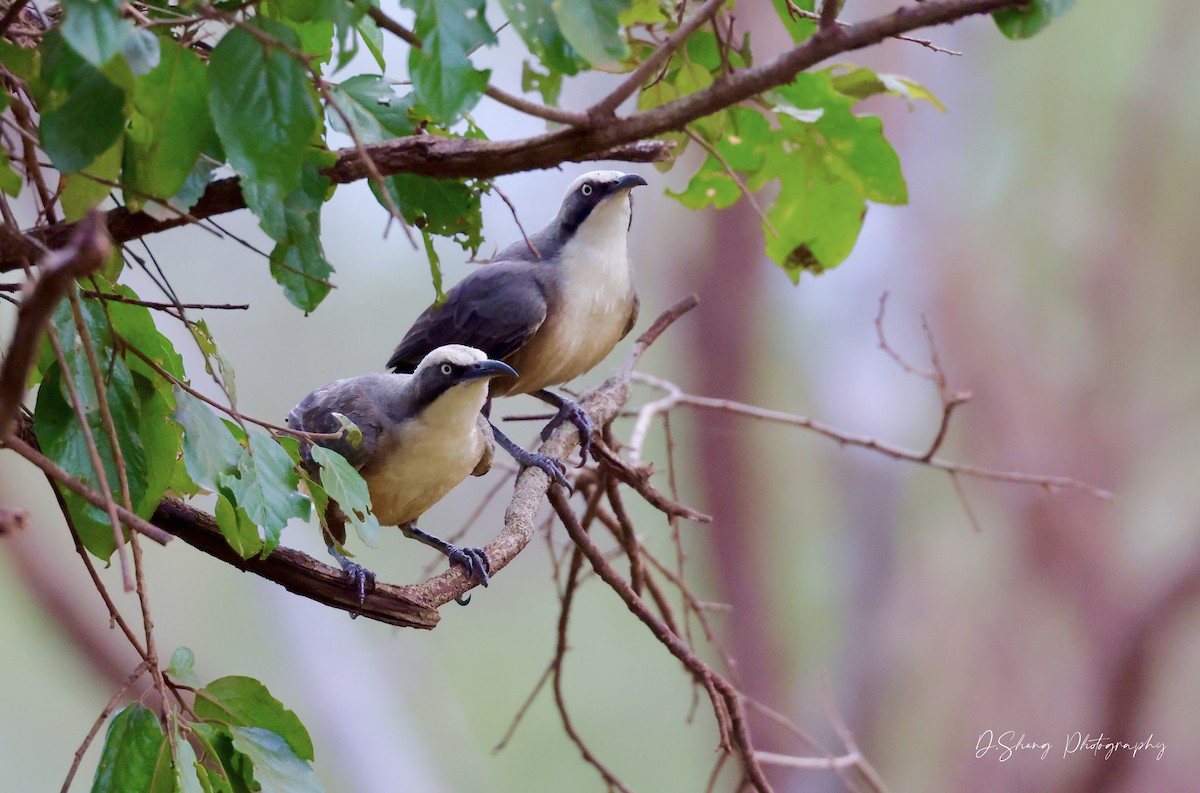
(95, 29)
(537, 25)
(237, 529)
(800, 28)
(181, 668)
(10, 180)
(77, 130)
(818, 223)
(233, 772)
(187, 777)
(444, 79)
(1027, 22)
(861, 83)
(262, 106)
(344, 485)
(80, 193)
(131, 750)
(245, 702)
(212, 354)
(169, 127)
(435, 268)
(592, 27)
(444, 207)
(373, 108)
(372, 36)
(549, 85)
(277, 769)
(22, 61)
(210, 452)
(265, 487)
(298, 262)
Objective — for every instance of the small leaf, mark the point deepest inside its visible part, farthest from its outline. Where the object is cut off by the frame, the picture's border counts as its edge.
(142, 51)
(1026, 22)
(442, 73)
(209, 449)
(537, 25)
(277, 769)
(131, 751)
(187, 778)
(301, 269)
(351, 431)
(245, 702)
(82, 193)
(237, 529)
(372, 36)
(374, 109)
(445, 207)
(180, 668)
(265, 487)
(95, 29)
(345, 486)
(593, 28)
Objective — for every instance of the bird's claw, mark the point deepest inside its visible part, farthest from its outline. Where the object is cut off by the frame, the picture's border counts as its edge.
(555, 469)
(572, 412)
(476, 564)
(362, 579)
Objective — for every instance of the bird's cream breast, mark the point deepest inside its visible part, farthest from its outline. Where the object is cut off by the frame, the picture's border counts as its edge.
(418, 467)
(592, 315)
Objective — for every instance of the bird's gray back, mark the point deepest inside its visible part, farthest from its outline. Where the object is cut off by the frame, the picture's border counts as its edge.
(371, 401)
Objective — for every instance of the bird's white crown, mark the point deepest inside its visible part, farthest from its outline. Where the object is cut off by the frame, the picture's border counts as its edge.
(593, 176)
(457, 354)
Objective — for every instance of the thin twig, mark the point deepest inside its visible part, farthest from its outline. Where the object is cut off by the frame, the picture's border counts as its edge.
(103, 717)
(512, 208)
(737, 179)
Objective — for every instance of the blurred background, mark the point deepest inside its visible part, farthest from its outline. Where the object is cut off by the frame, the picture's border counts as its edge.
(1051, 241)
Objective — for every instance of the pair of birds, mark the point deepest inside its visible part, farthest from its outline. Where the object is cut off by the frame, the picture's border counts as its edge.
(543, 312)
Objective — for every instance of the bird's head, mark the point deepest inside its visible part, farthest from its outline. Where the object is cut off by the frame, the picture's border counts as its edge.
(456, 364)
(599, 200)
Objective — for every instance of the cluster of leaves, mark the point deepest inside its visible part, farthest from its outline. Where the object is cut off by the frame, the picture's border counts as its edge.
(247, 741)
(168, 439)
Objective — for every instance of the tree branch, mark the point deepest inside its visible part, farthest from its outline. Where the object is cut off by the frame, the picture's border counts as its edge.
(617, 139)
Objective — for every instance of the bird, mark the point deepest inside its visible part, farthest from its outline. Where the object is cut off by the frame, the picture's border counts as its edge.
(553, 305)
(422, 434)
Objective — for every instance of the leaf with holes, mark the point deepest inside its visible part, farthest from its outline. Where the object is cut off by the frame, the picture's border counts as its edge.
(445, 80)
(538, 27)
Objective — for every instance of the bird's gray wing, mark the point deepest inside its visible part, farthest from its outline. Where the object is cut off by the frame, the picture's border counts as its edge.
(496, 308)
(489, 446)
(360, 399)
(634, 310)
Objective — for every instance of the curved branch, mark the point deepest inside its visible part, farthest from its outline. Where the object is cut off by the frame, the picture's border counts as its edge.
(616, 139)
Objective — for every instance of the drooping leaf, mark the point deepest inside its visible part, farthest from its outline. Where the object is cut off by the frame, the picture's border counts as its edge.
(84, 110)
(277, 769)
(82, 192)
(445, 80)
(95, 29)
(234, 772)
(373, 108)
(262, 107)
(187, 778)
(245, 702)
(265, 487)
(372, 36)
(345, 486)
(536, 23)
(169, 127)
(445, 207)
(237, 528)
(1023, 23)
(210, 451)
(131, 751)
(861, 83)
(593, 28)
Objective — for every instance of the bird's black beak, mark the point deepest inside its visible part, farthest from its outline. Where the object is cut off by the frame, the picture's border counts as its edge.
(488, 368)
(628, 182)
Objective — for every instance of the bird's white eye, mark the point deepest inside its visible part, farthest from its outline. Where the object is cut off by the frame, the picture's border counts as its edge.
(447, 369)
(586, 189)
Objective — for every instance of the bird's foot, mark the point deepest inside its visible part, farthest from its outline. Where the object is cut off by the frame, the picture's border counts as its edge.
(362, 579)
(474, 561)
(555, 469)
(574, 413)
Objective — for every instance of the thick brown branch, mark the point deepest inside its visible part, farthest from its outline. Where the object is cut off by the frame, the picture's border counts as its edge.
(619, 139)
(297, 572)
(86, 251)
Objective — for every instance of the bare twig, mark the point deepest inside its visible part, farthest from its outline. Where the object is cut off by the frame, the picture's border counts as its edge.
(103, 717)
(86, 251)
(516, 218)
